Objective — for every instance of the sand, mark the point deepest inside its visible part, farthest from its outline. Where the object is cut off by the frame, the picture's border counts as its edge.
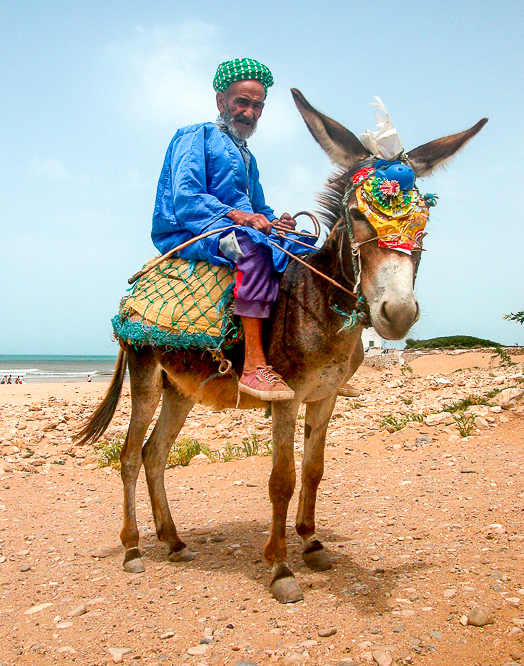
(423, 527)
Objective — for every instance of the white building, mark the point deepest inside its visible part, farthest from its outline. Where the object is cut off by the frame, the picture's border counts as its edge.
(371, 339)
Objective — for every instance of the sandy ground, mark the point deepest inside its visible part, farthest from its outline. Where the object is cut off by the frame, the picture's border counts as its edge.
(423, 527)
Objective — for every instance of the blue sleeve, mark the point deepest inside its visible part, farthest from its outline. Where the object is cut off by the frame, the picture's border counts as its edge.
(195, 209)
(257, 198)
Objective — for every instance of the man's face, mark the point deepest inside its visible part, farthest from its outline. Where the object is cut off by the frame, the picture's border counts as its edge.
(240, 106)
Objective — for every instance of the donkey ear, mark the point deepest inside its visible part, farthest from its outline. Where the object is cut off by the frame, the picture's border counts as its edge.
(340, 144)
(429, 157)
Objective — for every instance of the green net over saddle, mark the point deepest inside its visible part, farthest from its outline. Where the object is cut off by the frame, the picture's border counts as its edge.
(180, 304)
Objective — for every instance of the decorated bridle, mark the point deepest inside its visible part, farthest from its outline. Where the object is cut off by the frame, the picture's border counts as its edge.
(386, 195)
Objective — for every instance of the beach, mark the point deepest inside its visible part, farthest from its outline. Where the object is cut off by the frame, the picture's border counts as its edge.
(423, 525)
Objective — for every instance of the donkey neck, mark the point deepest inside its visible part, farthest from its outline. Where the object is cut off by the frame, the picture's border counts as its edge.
(334, 260)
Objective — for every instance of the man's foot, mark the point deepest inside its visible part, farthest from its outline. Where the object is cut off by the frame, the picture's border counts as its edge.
(266, 384)
(348, 391)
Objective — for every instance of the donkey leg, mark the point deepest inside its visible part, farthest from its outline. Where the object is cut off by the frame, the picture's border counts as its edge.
(283, 586)
(317, 419)
(145, 394)
(175, 408)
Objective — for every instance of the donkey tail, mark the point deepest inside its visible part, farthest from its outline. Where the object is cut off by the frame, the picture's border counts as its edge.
(101, 418)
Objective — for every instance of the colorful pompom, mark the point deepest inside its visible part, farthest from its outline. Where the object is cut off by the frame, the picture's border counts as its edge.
(390, 188)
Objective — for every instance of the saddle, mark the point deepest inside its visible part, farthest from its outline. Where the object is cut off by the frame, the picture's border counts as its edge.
(180, 304)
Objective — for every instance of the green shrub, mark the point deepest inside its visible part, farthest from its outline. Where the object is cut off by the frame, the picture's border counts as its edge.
(450, 341)
(182, 454)
(465, 424)
(109, 453)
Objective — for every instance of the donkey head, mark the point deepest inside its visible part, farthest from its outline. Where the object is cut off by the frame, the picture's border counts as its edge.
(388, 262)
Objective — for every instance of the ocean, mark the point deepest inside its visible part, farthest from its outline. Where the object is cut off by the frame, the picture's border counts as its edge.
(34, 369)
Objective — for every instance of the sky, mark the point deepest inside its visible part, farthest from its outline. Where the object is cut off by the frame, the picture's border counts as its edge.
(92, 94)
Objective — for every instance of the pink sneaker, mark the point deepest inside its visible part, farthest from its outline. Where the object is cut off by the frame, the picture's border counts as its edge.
(266, 384)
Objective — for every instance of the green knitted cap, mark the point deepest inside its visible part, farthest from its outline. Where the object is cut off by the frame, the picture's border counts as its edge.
(241, 69)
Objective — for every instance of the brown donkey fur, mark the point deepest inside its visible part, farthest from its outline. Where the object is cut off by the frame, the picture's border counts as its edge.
(304, 342)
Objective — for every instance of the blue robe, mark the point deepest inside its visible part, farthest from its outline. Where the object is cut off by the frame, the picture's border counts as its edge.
(203, 178)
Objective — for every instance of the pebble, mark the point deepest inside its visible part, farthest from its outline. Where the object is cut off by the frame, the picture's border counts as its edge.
(325, 633)
(292, 658)
(382, 658)
(167, 634)
(245, 663)
(197, 650)
(217, 539)
(117, 654)
(37, 608)
(25, 567)
(480, 617)
(101, 553)
(78, 611)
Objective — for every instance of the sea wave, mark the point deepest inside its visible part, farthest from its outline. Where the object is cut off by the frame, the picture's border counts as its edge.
(34, 372)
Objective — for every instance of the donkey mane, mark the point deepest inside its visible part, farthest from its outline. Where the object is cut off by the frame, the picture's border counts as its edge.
(330, 198)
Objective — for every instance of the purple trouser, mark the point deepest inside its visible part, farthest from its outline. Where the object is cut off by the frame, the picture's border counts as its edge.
(256, 284)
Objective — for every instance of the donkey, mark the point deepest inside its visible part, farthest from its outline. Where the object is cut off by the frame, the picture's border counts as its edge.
(307, 341)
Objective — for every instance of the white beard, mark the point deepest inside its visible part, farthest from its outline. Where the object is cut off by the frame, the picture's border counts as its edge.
(242, 136)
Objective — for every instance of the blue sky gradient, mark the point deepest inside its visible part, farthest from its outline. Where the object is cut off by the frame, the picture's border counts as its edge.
(92, 94)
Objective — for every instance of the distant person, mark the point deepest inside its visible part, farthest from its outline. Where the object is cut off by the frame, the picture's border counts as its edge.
(9, 380)
(89, 378)
(3, 380)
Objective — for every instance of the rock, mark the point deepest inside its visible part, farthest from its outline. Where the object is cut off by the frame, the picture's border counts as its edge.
(293, 658)
(477, 410)
(25, 567)
(197, 650)
(101, 553)
(5, 467)
(513, 601)
(78, 611)
(464, 620)
(516, 655)
(508, 396)
(450, 593)
(167, 634)
(496, 528)
(63, 625)
(496, 409)
(347, 663)
(468, 470)
(439, 419)
(67, 649)
(245, 663)
(382, 658)
(37, 608)
(480, 617)
(481, 423)
(118, 654)
(422, 439)
(325, 633)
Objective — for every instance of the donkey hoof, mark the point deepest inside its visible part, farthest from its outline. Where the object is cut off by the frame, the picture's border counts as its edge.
(133, 561)
(317, 560)
(184, 555)
(286, 590)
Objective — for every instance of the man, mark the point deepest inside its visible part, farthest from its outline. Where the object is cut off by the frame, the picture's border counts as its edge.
(210, 179)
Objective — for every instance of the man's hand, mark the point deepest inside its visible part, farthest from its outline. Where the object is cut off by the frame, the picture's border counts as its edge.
(287, 222)
(254, 220)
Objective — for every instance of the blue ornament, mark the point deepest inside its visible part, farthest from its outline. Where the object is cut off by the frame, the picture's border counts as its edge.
(402, 173)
